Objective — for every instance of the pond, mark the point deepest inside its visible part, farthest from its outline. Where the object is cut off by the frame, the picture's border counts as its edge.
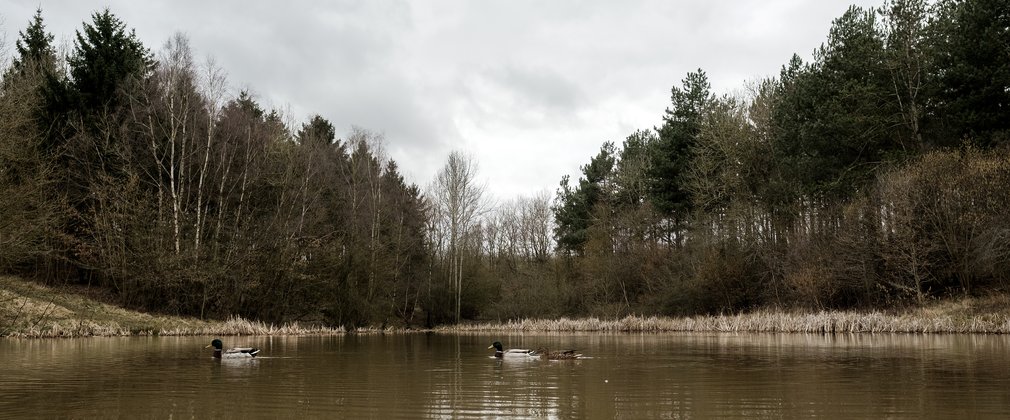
(684, 375)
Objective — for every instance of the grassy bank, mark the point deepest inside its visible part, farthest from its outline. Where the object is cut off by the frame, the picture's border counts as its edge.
(31, 310)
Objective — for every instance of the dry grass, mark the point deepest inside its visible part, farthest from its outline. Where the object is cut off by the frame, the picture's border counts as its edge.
(968, 316)
(31, 310)
(241, 326)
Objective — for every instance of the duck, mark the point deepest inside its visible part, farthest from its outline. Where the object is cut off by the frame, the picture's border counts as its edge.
(233, 353)
(557, 354)
(510, 353)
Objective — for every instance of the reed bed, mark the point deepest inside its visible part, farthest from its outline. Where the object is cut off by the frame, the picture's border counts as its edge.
(59, 329)
(765, 321)
(241, 326)
(235, 326)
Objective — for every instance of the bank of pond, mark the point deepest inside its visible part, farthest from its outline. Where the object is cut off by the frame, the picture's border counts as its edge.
(33, 311)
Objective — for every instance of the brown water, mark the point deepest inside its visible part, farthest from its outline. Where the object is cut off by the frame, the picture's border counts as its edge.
(449, 376)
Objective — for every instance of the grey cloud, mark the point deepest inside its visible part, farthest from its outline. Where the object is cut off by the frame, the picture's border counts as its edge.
(539, 87)
(551, 80)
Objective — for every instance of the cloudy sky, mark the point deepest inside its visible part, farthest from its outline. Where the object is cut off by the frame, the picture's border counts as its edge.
(530, 89)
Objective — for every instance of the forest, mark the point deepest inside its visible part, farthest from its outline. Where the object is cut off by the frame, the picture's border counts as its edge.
(873, 176)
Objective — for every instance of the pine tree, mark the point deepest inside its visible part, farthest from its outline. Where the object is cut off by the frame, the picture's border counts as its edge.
(35, 46)
(317, 131)
(833, 116)
(36, 63)
(973, 63)
(105, 57)
(574, 209)
(671, 155)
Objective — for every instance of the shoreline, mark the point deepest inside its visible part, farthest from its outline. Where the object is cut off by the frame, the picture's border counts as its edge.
(762, 321)
(28, 310)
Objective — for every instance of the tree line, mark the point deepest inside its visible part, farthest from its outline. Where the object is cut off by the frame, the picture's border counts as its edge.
(873, 175)
(134, 172)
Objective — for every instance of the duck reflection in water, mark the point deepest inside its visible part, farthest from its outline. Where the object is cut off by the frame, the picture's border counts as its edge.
(540, 353)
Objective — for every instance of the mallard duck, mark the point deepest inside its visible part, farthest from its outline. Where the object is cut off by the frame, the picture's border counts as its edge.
(234, 353)
(557, 354)
(499, 352)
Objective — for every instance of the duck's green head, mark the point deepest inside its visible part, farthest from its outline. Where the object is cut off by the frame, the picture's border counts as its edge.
(216, 344)
(496, 346)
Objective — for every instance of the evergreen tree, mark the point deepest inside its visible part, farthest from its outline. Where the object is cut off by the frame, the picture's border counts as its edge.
(34, 94)
(973, 65)
(574, 209)
(105, 57)
(631, 172)
(317, 131)
(37, 61)
(671, 156)
(35, 46)
(29, 211)
(833, 115)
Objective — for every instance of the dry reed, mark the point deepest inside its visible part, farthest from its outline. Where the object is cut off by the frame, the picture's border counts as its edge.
(233, 326)
(768, 321)
(241, 326)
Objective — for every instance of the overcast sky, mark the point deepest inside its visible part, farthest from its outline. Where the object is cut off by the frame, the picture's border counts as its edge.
(530, 89)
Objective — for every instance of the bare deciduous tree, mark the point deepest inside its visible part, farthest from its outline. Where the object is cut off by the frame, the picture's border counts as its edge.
(905, 28)
(213, 85)
(458, 199)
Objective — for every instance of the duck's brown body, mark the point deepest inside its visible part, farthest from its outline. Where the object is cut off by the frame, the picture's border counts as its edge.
(558, 354)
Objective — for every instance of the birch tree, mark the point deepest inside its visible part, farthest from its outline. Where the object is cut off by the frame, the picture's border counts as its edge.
(458, 198)
(213, 84)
